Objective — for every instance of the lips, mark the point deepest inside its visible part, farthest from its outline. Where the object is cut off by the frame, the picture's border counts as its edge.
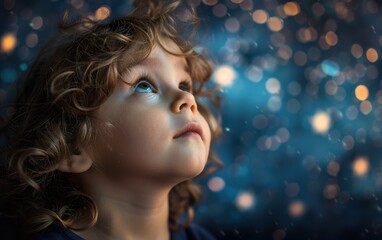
(189, 129)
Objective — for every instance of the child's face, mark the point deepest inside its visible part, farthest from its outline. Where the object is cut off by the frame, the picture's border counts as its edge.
(145, 119)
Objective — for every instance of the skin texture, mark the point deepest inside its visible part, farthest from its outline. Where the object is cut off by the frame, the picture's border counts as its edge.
(135, 160)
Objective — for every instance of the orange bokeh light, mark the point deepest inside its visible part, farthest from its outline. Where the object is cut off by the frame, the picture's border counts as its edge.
(360, 166)
(8, 43)
(361, 92)
(291, 8)
(372, 55)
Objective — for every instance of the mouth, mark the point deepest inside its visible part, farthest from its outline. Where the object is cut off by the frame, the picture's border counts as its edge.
(191, 129)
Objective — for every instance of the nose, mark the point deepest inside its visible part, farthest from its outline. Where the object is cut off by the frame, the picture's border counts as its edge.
(184, 101)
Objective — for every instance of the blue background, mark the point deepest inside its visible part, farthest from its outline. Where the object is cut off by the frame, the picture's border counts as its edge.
(282, 178)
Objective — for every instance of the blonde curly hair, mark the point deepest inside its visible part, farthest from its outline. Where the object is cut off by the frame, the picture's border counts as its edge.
(72, 76)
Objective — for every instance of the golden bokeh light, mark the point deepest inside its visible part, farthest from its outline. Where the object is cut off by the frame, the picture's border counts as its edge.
(296, 209)
(331, 38)
(372, 55)
(245, 200)
(361, 92)
(102, 13)
(225, 75)
(321, 122)
(8, 43)
(275, 24)
(291, 8)
(360, 166)
(260, 16)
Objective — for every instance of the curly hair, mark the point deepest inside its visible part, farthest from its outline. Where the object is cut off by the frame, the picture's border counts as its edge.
(72, 76)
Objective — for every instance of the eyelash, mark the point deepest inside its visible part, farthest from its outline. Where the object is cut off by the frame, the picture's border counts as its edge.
(146, 77)
(188, 85)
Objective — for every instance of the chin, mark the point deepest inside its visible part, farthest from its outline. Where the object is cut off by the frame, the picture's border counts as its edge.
(195, 168)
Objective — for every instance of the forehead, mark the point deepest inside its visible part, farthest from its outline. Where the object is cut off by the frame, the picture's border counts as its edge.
(160, 57)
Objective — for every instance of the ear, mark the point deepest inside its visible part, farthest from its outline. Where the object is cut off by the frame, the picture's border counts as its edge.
(77, 162)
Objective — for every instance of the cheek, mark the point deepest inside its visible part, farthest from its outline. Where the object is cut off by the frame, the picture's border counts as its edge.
(206, 131)
(134, 141)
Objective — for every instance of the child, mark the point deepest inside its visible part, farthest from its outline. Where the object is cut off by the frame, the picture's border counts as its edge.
(106, 133)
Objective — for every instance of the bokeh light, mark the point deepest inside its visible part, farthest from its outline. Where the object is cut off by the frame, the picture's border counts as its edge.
(360, 166)
(291, 8)
(8, 43)
(321, 122)
(333, 168)
(245, 200)
(296, 209)
(216, 184)
(361, 92)
(356, 50)
(225, 75)
(372, 55)
(102, 13)
(275, 24)
(260, 16)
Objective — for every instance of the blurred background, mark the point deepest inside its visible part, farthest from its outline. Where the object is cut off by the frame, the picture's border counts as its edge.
(302, 110)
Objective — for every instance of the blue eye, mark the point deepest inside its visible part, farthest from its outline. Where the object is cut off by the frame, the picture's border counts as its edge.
(144, 87)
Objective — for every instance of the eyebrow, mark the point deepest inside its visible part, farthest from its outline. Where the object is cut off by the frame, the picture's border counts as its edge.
(178, 64)
(183, 65)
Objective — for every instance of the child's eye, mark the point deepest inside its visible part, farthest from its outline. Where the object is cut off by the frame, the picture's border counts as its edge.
(143, 86)
(186, 86)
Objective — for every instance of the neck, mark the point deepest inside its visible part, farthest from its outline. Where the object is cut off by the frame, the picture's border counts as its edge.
(136, 212)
